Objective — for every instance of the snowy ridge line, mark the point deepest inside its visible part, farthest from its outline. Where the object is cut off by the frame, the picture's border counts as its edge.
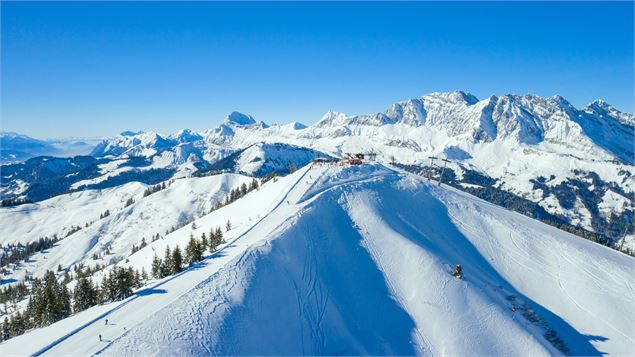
(516, 298)
(198, 265)
(227, 245)
(310, 193)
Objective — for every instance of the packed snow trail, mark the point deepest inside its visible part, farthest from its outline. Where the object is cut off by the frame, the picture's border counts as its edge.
(170, 289)
(357, 260)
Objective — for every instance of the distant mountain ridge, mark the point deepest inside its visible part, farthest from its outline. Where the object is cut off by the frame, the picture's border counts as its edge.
(541, 149)
(16, 147)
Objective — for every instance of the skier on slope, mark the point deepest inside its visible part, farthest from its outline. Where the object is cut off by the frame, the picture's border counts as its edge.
(99, 338)
(458, 271)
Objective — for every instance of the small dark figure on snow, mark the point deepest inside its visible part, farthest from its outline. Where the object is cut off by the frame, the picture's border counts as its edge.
(458, 272)
(106, 322)
(99, 338)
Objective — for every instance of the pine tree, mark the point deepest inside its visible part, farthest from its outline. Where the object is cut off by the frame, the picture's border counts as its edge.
(108, 288)
(177, 260)
(193, 226)
(124, 281)
(193, 252)
(228, 225)
(156, 267)
(137, 279)
(243, 190)
(17, 324)
(292, 168)
(166, 267)
(85, 294)
(50, 293)
(49, 301)
(6, 330)
(204, 242)
(64, 303)
(253, 185)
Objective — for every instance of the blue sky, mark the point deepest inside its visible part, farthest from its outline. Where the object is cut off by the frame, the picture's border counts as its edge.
(93, 69)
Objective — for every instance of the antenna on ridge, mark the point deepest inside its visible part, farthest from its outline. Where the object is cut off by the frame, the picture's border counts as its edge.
(432, 158)
(445, 162)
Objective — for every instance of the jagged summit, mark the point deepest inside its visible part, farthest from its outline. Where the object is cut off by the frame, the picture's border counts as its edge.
(240, 119)
(607, 111)
(509, 137)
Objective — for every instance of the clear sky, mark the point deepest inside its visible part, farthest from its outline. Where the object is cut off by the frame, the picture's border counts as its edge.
(93, 69)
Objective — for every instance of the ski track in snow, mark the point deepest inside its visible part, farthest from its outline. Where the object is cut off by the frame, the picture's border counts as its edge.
(479, 298)
(162, 283)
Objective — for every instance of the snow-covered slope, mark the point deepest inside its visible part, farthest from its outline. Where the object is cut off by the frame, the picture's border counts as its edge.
(261, 159)
(357, 260)
(541, 149)
(514, 139)
(125, 226)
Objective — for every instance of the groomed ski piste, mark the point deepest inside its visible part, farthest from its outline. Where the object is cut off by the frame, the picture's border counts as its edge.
(358, 260)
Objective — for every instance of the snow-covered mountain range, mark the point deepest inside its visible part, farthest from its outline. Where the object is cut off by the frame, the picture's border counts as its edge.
(341, 260)
(332, 258)
(577, 164)
(17, 147)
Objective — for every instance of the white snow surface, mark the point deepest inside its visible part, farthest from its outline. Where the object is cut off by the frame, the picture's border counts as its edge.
(513, 139)
(125, 226)
(357, 260)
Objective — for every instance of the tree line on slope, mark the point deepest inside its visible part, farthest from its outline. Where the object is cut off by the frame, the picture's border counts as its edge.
(50, 300)
(488, 192)
(175, 260)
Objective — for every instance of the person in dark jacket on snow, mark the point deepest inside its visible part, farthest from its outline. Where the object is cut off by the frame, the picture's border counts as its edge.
(458, 271)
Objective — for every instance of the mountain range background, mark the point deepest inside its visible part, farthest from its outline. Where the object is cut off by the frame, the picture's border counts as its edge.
(572, 167)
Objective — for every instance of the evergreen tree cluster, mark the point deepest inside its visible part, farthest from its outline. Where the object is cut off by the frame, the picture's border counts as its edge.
(105, 214)
(74, 229)
(141, 245)
(10, 202)
(119, 283)
(50, 300)
(156, 188)
(129, 202)
(174, 260)
(241, 191)
(234, 195)
(14, 293)
(14, 253)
